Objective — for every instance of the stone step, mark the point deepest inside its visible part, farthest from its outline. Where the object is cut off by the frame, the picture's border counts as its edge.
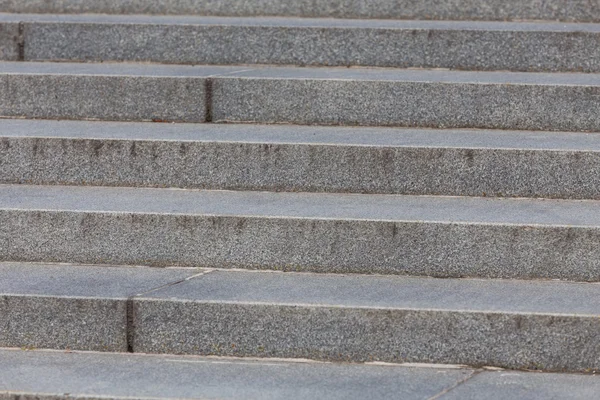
(337, 96)
(345, 233)
(297, 41)
(545, 325)
(55, 375)
(59, 375)
(572, 10)
(301, 158)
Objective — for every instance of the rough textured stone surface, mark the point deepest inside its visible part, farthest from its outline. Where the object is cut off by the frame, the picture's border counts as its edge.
(517, 324)
(442, 99)
(72, 307)
(300, 158)
(438, 236)
(45, 375)
(374, 319)
(340, 96)
(9, 41)
(104, 91)
(217, 40)
(86, 281)
(573, 10)
(63, 323)
(508, 385)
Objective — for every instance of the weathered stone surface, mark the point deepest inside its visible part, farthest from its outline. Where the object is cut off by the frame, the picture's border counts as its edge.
(10, 41)
(54, 375)
(72, 307)
(420, 98)
(301, 158)
(333, 96)
(507, 385)
(437, 236)
(217, 40)
(104, 91)
(516, 324)
(542, 325)
(573, 10)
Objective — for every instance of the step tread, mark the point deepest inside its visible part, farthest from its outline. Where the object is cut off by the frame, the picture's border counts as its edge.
(302, 289)
(438, 209)
(298, 134)
(115, 69)
(393, 292)
(90, 281)
(53, 373)
(431, 9)
(296, 22)
(129, 376)
(302, 73)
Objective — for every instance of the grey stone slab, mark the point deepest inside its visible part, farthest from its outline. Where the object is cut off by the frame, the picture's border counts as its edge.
(76, 323)
(430, 98)
(46, 375)
(104, 91)
(10, 40)
(217, 40)
(505, 385)
(322, 206)
(356, 96)
(392, 319)
(438, 236)
(72, 306)
(388, 292)
(117, 69)
(274, 21)
(302, 134)
(302, 158)
(402, 75)
(89, 281)
(575, 10)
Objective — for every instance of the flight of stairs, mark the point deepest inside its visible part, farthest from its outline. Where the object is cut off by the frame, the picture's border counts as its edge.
(299, 199)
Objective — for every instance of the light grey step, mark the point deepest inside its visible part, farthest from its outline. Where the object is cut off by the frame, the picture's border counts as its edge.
(572, 10)
(299, 41)
(58, 375)
(504, 385)
(423, 98)
(105, 91)
(361, 96)
(301, 158)
(547, 325)
(389, 234)
(73, 306)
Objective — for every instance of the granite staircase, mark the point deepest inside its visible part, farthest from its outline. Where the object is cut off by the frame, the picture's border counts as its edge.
(299, 199)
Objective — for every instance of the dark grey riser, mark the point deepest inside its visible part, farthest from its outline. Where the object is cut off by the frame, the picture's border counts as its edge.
(387, 234)
(331, 96)
(550, 326)
(299, 158)
(314, 42)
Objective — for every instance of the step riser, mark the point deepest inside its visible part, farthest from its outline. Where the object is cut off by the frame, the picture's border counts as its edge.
(424, 47)
(63, 323)
(302, 244)
(426, 104)
(103, 97)
(302, 101)
(10, 40)
(299, 167)
(338, 334)
(574, 10)
(318, 333)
